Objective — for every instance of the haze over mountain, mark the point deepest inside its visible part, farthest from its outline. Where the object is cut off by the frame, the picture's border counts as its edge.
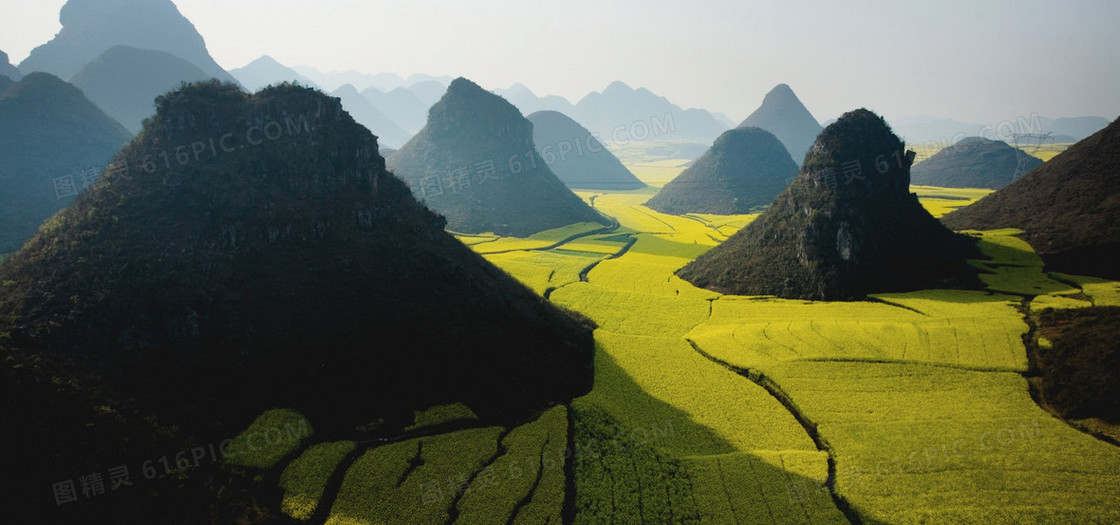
(847, 226)
(290, 271)
(974, 162)
(745, 169)
(948, 131)
(528, 102)
(8, 70)
(402, 106)
(54, 143)
(387, 131)
(91, 27)
(5, 83)
(475, 163)
(783, 114)
(622, 114)
(125, 81)
(577, 157)
(266, 71)
(1069, 208)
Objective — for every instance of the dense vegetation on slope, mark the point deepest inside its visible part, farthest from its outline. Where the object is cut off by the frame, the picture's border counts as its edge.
(1069, 208)
(745, 169)
(54, 143)
(847, 226)
(1081, 365)
(256, 253)
(974, 162)
(475, 163)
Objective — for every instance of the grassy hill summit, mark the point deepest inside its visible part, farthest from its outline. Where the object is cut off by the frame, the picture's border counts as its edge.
(974, 162)
(125, 81)
(744, 169)
(576, 156)
(475, 163)
(783, 114)
(847, 226)
(256, 253)
(1069, 208)
(54, 143)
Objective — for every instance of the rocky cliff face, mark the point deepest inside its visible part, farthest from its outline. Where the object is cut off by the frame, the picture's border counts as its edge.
(847, 226)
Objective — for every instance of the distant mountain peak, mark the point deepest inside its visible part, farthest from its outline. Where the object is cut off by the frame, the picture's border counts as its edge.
(783, 114)
(847, 226)
(618, 86)
(89, 27)
(475, 162)
(744, 169)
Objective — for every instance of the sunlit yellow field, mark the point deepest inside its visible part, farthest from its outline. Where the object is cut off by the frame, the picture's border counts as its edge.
(902, 408)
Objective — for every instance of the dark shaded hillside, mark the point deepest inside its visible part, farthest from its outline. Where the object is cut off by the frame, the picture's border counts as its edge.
(783, 114)
(125, 81)
(1069, 208)
(974, 162)
(91, 27)
(847, 226)
(53, 142)
(285, 267)
(5, 83)
(475, 163)
(576, 156)
(745, 169)
(1081, 369)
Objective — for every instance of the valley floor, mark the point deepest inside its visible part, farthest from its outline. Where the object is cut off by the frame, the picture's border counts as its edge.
(904, 408)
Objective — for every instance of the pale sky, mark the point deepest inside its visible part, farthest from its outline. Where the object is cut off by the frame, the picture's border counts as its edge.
(978, 61)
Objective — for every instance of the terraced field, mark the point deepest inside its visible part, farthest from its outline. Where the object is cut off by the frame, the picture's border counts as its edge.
(710, 409)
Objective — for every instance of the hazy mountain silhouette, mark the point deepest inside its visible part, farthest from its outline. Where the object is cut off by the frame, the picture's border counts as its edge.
(429, 91)
(622, 114)
(947, 131)
(1077, 128)
(289, 269)
(5, 83)
(387, 131)
(974, 162)
(475, 163)
(90, 27)
(400, 105)
(577, 157)
(528, 102)
(53, 142)
(8, 70)
(266, 71)
(847, 226)
(745, 169)
(125, 81)
(783, 114)
(1069, 208)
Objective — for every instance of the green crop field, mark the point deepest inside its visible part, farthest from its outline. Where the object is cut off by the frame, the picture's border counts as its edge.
(711, 409)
